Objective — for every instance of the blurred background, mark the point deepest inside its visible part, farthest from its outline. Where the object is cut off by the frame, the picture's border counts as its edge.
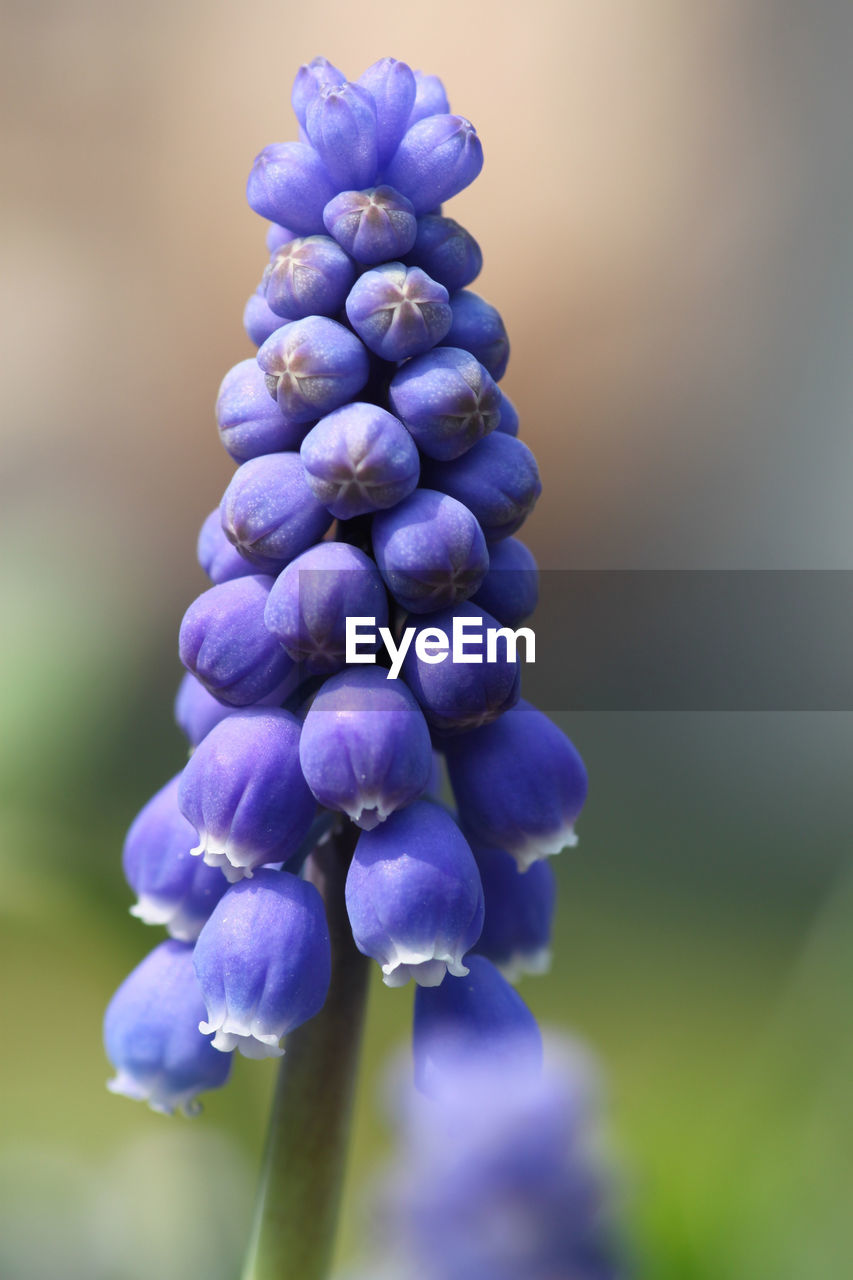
(666, 212)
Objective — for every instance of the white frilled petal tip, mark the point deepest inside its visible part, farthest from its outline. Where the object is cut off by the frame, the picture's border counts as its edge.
(428, 968)
(368, 812)
(233, 1033)
(525, 962)
(535, 848)
(153, 1092)
(234, 862)
(151, 910)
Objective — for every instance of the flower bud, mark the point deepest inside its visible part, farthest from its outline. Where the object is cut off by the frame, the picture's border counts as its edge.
(498, 480)
(152, 1038)
(365, 748)
(398, 311)
(243, 791)
(278, 236)
(510, 590)
(414, 897)
(536, 815)
(197, 711)
(508, 420)
(312, 366)
(391, 85)
(446, 252)
(477, 1014)
(269, 513)
(172, 888)
(250, 423)
(218, 558)
(477, 327)
(372, 225)
(360, 459)
(516, 933)
(430, 550)
(308, 276)
(312, 598)
(341, 126)
(258, 320)
(456, 696)
(437, 158)
(223, 642)
(430, 98)
(309, 80)
(263, 963)
(290, 185)
(447, 400)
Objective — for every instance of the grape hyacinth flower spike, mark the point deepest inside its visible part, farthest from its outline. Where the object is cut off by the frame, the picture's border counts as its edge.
(379, 480)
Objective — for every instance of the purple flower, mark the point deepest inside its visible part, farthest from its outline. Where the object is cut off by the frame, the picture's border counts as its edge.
(263, 963)
(244, 792)
(516, 933)
(430, 551)
(398, 311)
(152, 1038)
(446, 251)
(312, 598)
(447, 400)
(372, 225)
(392, 86)
(414, 896)
(498, 480)
(309, 80)
(308, 276)
(219, 559)
(438, 157)
(225, 645)
(172, 888)
(290, 185)
(269, 512)
(536, 815)
(430, 98)
(250, 423)
(197, 711)
(510, 589)
(258, 320)
(313, 366)
(478, 328)
(365, 747)
(360, 459)
(340, 124)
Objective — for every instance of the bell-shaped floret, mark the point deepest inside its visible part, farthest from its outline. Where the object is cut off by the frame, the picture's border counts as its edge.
(447, 400)
(152, 1038)
(498, 480)
(476, 689)
(446, 251)
(258, 320)
(519, 910)
(309, 80)
(360, 459)
(223, 642)
(243, 791)
(477, 1014)
(391, 85)
(340, 124)
(508, 420)
(519, 784)
(308, 276)
(478, 328)
(365, 747)
(197, 711)
(218, 558)
(430, 98)
(312, 598)
(398, 311)
(172, 888)
(312, 366)
(263, 962)
(430, 551)
(250, 423)
(290, 185)
(437, 157)
(269, 512)
(510, 590)
(278, 236)
(373, 225)
(414, 896)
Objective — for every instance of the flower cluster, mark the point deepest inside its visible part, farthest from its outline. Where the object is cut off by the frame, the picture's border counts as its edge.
(379, 475)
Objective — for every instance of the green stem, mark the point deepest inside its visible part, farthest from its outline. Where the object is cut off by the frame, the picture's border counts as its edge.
(300, 1191)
